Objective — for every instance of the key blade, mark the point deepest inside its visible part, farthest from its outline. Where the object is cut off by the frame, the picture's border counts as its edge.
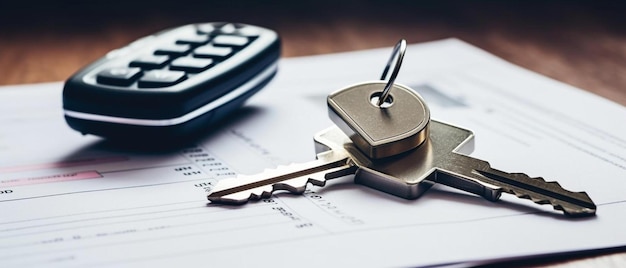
(477, 176)
(225, 193)
(440, 160)
(292, 178)
(573, 204)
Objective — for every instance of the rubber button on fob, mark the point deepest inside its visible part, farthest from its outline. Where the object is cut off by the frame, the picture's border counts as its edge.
(120, 76)
(160, 78)
(174, 50)
(210, 51)
(193, 39)
(192, 65)
(150, 62)
(230, 40)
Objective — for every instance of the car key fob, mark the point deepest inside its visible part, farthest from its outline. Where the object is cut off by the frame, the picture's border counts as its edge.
(173, 83)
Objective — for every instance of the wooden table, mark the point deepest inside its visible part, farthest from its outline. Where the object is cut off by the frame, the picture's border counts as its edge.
(580, 43)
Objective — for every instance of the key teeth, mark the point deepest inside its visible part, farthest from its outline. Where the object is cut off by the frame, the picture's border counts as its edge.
(228, 201)
(239, 201)
(263, 195)
(284, 186)
(552, 182)
(289, 186)
(568, 212)
(576, 214)
(585, 205)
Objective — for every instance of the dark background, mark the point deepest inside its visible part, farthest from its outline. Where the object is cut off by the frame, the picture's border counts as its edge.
(582, 43)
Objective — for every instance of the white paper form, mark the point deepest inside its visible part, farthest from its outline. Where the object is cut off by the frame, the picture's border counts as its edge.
(70, 200)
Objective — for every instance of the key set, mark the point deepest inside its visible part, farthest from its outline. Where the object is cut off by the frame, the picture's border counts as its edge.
(388, 141)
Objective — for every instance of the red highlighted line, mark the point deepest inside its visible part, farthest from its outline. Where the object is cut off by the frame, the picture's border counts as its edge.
(71, 163)
(91, 174)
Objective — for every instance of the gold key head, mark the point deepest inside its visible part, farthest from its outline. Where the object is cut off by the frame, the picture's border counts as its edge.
(397, 126)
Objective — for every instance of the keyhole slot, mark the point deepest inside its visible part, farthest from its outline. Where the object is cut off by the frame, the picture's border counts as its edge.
(376, 96)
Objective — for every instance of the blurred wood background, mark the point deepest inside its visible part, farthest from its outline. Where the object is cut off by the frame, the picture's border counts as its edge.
(582, 43)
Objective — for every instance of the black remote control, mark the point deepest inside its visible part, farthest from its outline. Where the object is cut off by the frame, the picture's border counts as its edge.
(172, 83)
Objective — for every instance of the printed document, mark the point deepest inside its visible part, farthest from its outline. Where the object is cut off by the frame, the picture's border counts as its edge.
(69, 200)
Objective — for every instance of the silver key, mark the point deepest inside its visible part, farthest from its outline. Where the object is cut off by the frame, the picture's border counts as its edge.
(439, 160)
(333, 161)
(401, 123)
(380, 128)
(409, 175)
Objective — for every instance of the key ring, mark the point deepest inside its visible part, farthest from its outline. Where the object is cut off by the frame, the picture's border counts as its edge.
(399, 50)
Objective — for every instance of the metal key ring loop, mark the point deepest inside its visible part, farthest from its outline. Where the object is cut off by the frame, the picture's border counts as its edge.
(399, 50)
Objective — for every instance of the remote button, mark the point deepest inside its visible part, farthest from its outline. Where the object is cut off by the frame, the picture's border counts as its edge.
(192, 65)
(174, 50)
(230, 40)
(210, 51)
(150, 62)
(206, 28)
(121, 76)
(193, 39)
(160, 78)
(249, 31)
(228, 29)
